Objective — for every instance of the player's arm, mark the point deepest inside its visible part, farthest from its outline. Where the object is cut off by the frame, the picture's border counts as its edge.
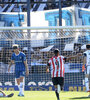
(47, 68)
(25, 63)
(26, 66)
(3, 93)
(73, 57)
(84, 62)
(10, 64)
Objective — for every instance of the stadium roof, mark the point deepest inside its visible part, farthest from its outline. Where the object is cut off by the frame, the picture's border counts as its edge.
(26, 49)
(63, 1)
(83, 46)
(69, 47)
(47, 48)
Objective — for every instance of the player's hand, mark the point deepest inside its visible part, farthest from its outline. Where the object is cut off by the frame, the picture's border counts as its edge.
(83, 68)
(47, 70)
(79, 54)
(27, 73)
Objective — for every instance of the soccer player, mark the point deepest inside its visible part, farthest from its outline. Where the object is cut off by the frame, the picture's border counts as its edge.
(56, 65)
(86, 62)
(20, 61)
(2, 94)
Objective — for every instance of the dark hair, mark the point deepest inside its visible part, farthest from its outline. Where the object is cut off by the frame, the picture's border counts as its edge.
(88, 46)
(56, 51)
(15, 46)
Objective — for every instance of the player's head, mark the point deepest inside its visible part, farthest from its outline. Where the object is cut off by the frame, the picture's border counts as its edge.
(15, 47)
(56, 52)
(88, 46)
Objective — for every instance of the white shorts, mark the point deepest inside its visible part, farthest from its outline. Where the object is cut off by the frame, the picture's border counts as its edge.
(1, 94)
(88, 70)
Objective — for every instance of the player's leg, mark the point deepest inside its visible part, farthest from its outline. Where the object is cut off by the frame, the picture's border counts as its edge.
(86, 82)
(2, 94)
(22, 86)
(61, 82)
(22, 76)
(86, 79)
(89, 78)
(10, 95)
(18, 83)
(17, 75)
(56, 91)
(55, 83)
(89, 82)
(58, 88)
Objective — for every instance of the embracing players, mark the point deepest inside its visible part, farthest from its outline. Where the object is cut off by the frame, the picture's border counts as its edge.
(20, 61)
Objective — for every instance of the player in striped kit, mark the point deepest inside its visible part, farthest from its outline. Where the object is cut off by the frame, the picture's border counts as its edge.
(20, 61)
(56, 64)
(86, 62)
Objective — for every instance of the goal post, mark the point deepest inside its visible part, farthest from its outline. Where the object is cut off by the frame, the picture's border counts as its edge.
(38, 44)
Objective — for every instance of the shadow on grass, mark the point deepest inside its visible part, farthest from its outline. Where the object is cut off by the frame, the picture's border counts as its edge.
(79, 98)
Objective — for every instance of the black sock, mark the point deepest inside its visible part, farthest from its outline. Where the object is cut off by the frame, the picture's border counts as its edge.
(57, 94)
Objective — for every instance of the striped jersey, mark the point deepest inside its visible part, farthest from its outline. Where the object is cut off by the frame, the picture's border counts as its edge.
(87, 54)
(19, 61)
(57, 66)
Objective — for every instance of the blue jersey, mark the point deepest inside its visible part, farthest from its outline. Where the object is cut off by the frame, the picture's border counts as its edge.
(19, 61)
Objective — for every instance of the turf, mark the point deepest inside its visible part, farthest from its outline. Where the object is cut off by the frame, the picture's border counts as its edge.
(48, 95)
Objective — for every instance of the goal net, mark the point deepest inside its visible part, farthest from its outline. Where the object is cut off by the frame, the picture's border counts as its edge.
(38, 44)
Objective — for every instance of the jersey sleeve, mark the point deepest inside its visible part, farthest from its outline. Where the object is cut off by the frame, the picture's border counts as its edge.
(12, 57)
(23, 57)
(64, 58)
(84, 54)
(49, 62)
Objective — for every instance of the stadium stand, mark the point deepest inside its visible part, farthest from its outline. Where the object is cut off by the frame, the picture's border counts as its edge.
(42, 6)
(38, 6)
(84, 5)
(4, 8)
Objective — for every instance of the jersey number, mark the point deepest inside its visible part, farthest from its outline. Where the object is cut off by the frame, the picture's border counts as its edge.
(57, 64)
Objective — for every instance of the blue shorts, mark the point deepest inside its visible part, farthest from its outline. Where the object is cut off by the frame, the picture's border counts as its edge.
(19, 74)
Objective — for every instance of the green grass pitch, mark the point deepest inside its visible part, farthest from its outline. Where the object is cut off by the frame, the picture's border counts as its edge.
(48, 95)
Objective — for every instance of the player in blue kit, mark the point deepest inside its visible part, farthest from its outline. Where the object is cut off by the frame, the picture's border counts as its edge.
(19, 59)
